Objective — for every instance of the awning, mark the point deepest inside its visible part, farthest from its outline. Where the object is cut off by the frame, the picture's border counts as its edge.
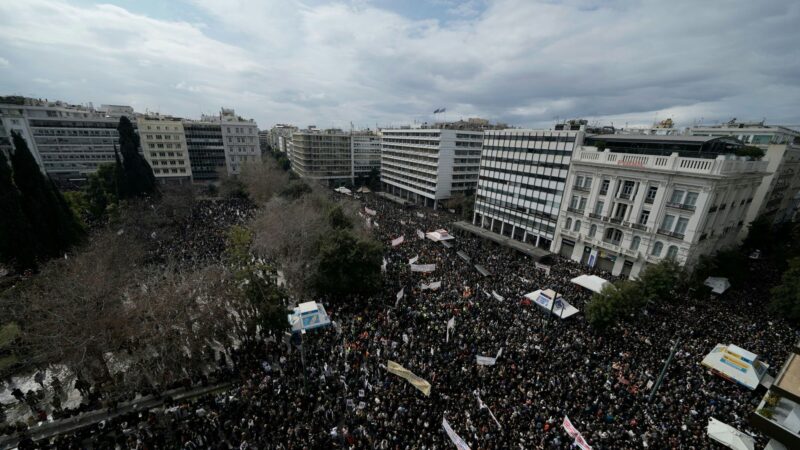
(544, 299)
(729, 436)
(591, 282)
(482, 270)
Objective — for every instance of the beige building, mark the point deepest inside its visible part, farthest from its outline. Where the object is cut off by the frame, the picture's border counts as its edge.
(324, 155)
(164, 146)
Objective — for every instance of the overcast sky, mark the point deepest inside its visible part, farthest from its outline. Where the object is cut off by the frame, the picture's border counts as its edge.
(524, 62)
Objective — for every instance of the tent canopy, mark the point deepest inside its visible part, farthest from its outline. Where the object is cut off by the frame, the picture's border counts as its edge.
(439, 235)
(718, 285)
(591, 282)
(736, 364)
(729, 436)
(364, 190)
(544, 299)
(344, 190)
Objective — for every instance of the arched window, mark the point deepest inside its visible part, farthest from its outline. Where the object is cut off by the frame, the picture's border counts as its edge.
(613, 236)
(635, 243)
(592, 230)
(657, 249)
(672, 252)
(568, 225)
(578, 226)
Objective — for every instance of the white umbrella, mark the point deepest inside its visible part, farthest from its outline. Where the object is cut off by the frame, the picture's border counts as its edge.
(729, 436)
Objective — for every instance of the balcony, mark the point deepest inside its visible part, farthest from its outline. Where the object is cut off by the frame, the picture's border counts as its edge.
(603, 192)
(670, 233)
(672, 163)
(713, 209)
(625, 195)
(649, 200)
(682, 206)
(574, 210)
(639, 226)
(580, 188)
(616, 220)
(595, 216)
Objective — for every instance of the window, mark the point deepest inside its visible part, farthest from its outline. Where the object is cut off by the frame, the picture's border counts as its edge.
(592, 230)
(635, 243)
(680, 227)
(667, 223)
(568, 224)
(582, 203)
(672, 252)
(598, 208)
(579, 180)
(657, 249)
(651, 194)
(691, 199)
(587, 182)
(644, 216)
(627, 189)
(573, 202)
(577, 226)
(677, 196)
(604, 186)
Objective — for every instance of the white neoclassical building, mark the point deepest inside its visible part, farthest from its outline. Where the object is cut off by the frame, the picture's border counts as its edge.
(645, 198)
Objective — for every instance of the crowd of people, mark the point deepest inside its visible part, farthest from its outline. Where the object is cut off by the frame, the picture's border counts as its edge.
(330, 388)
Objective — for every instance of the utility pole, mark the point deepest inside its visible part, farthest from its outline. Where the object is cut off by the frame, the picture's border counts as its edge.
(664, 370)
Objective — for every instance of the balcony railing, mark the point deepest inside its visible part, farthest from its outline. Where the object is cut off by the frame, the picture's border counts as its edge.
(639, 226)
(616, 220)
(603, 192)
(683, 206)
(670, 233)
(611, 242)
(625, 195)
(649, 200)
(580, 188)
(574, 210)
(713, 209)
(595, 216)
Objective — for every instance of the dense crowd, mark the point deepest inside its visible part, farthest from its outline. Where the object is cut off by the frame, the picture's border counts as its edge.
(331, 389)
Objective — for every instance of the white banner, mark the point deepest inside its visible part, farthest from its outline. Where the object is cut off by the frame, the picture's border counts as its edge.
(383, 266)
(371, 212)
(485, 360)
(460, 444)
(420, 215)
(413, 260)
(497, 296)
(402, 222)
(401, 293)
(451, 324)
(423, 267)
(482, 405)
(433, 286)
(398, 241)
(575, 434)
(420, 234)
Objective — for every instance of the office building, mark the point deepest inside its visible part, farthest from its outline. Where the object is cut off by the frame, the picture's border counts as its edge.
(631, 200)
(205, 148)
(280, 137)
(775, 198)
(69, 142)
(366, 153)
(521, 183)
(428, 165)
(322, 155)
(163, 142)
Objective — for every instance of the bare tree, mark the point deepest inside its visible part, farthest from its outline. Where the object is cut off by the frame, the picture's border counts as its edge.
(263, 179)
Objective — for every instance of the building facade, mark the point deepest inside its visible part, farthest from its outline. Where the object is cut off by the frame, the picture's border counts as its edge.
(366, 153)
(428, 165)
(322, 155)
(69, 142)
(642, 199)
(776, 197)
(205, 148)
(522, 179)
(240, 139)
(164, 146)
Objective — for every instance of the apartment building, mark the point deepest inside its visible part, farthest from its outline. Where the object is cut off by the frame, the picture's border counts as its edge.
(634, 200)
(280, 137)
(776, 197)
(521, 183)
(366, 153)
(69, 142)
(163, 141)
(240, 139)
(428, 165)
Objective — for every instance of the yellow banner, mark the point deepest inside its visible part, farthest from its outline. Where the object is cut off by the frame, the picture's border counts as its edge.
(402, 372)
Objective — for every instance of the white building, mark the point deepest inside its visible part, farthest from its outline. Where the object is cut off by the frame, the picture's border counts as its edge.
(366, 153)
(280, 137)
(522, 180)
(322, 155)
(240, 139)
(68, 141)
(646, 198)
(428, 165)
(164, 146)
(775, 198)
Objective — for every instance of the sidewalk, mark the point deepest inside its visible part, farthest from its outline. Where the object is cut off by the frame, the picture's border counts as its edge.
(49, 429)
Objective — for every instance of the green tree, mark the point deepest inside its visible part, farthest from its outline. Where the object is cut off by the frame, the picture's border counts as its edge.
(614, 303)
(786, 296)
(348, 265)
(338, 219)
(295, 189)
(237, 247)
(139, 179)
(55, 227)
(284, 163)
(751, 151)
(659, 281)
(268, 299)
(16, 233)
(374, 179)
(102, 190)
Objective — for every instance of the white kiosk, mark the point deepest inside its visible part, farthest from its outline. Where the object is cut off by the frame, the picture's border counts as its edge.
(545, 298)
(307, 316)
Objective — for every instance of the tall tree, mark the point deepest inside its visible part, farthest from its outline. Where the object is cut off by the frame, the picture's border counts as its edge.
(786, 296)
(139, 178)
(53, 223)
(15, 229)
